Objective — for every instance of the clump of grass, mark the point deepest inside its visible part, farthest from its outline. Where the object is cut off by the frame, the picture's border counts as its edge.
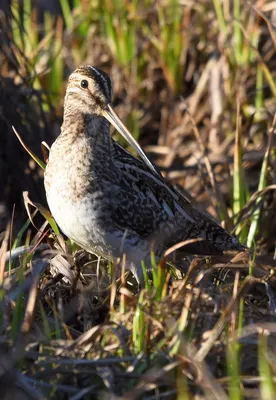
(157, 343)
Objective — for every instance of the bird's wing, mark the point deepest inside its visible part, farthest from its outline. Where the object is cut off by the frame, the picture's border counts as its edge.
(151, 207)
(145, 196)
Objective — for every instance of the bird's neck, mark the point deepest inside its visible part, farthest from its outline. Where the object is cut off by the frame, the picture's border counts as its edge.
(78, 126)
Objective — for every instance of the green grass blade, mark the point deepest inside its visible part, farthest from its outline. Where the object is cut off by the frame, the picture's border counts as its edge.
(238, 38)
(239, 184)
(139, 325)
(67, 14)
(220, 16)
(34, 157)
(233, 369)
(267, 386)
(262, 184)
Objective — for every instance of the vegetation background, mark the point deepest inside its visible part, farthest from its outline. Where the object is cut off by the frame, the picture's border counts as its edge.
(195, 82)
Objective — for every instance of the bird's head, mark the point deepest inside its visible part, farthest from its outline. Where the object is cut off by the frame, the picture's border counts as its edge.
(89, 91)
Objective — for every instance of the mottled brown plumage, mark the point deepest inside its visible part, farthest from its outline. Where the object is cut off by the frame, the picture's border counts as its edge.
(107, 200)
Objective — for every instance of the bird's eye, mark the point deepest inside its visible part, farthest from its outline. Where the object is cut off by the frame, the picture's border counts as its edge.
(84, 84)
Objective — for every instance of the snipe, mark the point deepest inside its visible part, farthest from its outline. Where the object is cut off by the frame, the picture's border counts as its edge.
(108, 201)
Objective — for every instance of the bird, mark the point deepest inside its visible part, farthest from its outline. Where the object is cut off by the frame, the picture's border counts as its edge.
(109, 201)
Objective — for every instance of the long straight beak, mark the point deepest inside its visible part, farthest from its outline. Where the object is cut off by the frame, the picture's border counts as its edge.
(114, 119)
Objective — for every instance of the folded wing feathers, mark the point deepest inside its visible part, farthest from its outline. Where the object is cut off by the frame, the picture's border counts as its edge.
(174, 204)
